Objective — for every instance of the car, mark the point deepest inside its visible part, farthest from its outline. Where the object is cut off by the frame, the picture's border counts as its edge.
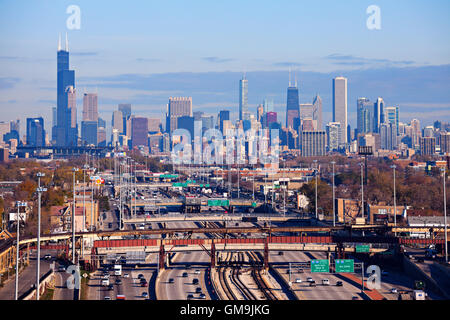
(140, 276)
(198, 290)
(171, 280)
(47, 257)
(111, 287)
(394, 290)
(195, 281)
(144, 295)
(144, 284)
(298, 280)
(190, 297)
(126, 275)
(312, 284)
(309, 279)
(202, 296)
(325, 282)
(142, 280)
(185, 275)
(107, 298)
(118, 281)
(339, 284)
(197, 272)
(355, 298)
(280, 253)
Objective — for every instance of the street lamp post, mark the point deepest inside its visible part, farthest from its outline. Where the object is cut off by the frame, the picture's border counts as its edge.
(334, 210)
(395, 200)
(19, 204)
(445, 217)
(38, 241)
(362, 189)
(316, 172)
(73, 217)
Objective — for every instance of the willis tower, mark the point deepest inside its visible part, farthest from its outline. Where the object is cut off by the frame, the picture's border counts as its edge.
(66, 126)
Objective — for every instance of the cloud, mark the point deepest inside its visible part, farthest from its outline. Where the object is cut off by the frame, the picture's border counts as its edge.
(217, 59)
(350, 60)
(287, 64)
(10, 58)
(8, 82)
(84, 54)
(148, 60)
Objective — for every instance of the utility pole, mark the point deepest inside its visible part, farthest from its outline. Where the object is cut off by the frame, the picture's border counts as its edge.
(334, 209)
(19, 204)
(362, 188)
(395, 200)
(316, 172)
(73, 217)
(445, 217)
(38, 242)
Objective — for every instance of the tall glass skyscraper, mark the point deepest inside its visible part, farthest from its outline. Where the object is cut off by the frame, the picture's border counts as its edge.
(35, 132)
(378, 114)
(66, 135)
(364, 115)
(292, 105)
(340, 105)
(391, 116)
(243, 99)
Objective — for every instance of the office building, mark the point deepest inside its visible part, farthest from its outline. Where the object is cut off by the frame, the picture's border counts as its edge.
(292, 104)
(66, 133)
(243, 99)
(224, 115)
(90, 107)
(378, 114)
(270, 117)
(391, 116)
(35, 132)
(317, 111)
(340, 105)
(139, 131)
(89, 133)
(388, 136)
(186, 123)
(207, 123)
(177, 107)
(313, 143)
(125, 108)
(427, 146)
(154, 125)
(364, 116)
(445, 143)
(333, 135)
(117, 121)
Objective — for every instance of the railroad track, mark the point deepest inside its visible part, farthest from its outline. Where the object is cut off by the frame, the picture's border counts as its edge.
(256, 275)
(224, 283)
(248, 295)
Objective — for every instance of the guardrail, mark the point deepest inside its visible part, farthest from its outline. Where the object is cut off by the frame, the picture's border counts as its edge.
(30, 293)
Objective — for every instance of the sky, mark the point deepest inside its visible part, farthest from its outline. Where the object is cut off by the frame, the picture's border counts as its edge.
(143, 52)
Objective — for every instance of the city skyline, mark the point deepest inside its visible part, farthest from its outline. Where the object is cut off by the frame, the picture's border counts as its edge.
(210, 76)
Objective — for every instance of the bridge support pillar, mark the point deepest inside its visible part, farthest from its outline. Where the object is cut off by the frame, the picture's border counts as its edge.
(162, 255)
(213, 255)
(266, 254)
(28, 253)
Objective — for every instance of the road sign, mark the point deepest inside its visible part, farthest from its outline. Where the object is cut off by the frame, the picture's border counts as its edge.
(342, 266)
(320, 266)
(254, 204)
(362, 248)
(218, 203)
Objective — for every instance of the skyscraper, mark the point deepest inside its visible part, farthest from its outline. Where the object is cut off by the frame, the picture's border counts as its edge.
(333, 135)
(340, 105)
(388, 136)
(35, 132)
(427, 146)
(243, 99)
(391, 116)
(54, 123)
(65, 79)
(89, 133)
(177, 107)
(90, 107)
(292, 104)
(72, 112)
(224, 115)
(364, 115)
(378, 114)
(317, 111)
(313, 143)
(117, 121)
(125, 108)
(139, 131)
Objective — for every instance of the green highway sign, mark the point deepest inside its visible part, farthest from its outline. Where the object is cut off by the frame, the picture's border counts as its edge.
(344, 266)
(362, 248)
(218, 203)
(254, 204)
(320, 266)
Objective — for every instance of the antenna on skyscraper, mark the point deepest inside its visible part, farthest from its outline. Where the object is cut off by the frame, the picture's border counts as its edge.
(289, 76)
(67, 43)
(295, 78)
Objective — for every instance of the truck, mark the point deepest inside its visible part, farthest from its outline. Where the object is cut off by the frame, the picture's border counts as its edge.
(117, 270)
(105, 282)
(418, 295)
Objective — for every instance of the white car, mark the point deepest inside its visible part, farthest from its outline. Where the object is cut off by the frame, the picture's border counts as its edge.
(107, 298)
(197, 272)
(325, 282)
(394, 290)
(126, 275)
(309, 279)
(298, 280)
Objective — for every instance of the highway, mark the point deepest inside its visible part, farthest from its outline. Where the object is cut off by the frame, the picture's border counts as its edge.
(182, 286)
